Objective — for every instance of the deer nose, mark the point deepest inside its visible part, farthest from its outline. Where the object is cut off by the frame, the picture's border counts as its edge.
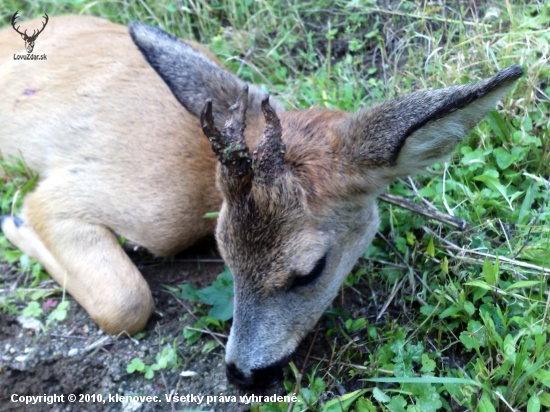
(259, 379)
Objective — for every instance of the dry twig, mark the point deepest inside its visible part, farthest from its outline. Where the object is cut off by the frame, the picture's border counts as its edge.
(423, 210)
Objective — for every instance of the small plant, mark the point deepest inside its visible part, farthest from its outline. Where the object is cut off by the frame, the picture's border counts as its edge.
(219, 295)
(166, 359)
(59, 313)
(33, 310)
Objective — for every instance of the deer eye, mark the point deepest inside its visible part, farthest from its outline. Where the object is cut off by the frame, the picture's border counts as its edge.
(315, 273)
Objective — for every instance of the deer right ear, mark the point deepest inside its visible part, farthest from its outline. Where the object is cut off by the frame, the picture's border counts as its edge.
(192, 76)
(403, 136)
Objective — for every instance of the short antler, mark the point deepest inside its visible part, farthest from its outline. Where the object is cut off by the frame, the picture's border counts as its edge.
(269, 156)
(229, 145)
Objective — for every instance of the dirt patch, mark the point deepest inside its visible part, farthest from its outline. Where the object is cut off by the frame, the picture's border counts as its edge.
(76, 357)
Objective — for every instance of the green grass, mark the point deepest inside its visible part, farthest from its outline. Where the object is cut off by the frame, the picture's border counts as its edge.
(469, 309)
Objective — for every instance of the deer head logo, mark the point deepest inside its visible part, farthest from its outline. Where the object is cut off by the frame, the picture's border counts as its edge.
(29, 40)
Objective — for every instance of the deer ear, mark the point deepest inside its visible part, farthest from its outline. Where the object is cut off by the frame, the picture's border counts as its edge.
(191, 76)
(403, 136)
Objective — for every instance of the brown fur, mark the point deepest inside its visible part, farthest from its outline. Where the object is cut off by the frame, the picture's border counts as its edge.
(73, 117)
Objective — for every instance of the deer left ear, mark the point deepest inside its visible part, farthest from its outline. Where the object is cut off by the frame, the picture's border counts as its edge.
(404, 136)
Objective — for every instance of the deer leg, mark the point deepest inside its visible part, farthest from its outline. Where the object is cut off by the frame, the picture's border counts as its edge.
(88, 261)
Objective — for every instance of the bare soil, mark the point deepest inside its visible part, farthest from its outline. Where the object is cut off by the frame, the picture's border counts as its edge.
(64, 359)
(76, 357)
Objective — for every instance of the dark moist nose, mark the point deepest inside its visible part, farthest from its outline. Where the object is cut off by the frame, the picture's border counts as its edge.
(260, 378)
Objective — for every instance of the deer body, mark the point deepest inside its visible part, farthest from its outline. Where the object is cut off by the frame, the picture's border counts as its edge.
(78, 120)
(125, 150)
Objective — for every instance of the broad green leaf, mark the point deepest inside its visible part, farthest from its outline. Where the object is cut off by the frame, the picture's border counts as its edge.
(497, 124)
(534, 404)
(397, 404)
(453, 310)
(469, 308)
(150, 373)
(545, 399)
(36, 269)
(318, 385)
(135, 365)
(373, 333)
(474, 159)
(189, 292)
(379, 395)
(474, 337)
(489, 273)
(191, 336)
(40, 294)
(309, 395)
(526, 205)
(428, 365)
(544, 377)
(527, 124)
(479, 293)
(209, 346)
(494, 184)
(355, 325)
(33, 310)
(220, 296)
(445, 265)
(354, 45)
(222, 311)
(430, 251)
(364, 405)
(59, 313)
(427, 191)
(479, 284)
(523, 284)
(429, 400)
(485, 405)
(343, 403)
(427, 310)
(503, 158)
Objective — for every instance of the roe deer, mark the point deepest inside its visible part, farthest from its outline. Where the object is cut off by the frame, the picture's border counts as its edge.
(122, 151)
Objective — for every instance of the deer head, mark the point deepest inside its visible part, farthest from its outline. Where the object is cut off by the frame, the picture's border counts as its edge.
(29, 40)
(300, 211)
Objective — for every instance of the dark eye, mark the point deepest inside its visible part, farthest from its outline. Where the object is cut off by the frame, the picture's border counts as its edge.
(311, 276)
